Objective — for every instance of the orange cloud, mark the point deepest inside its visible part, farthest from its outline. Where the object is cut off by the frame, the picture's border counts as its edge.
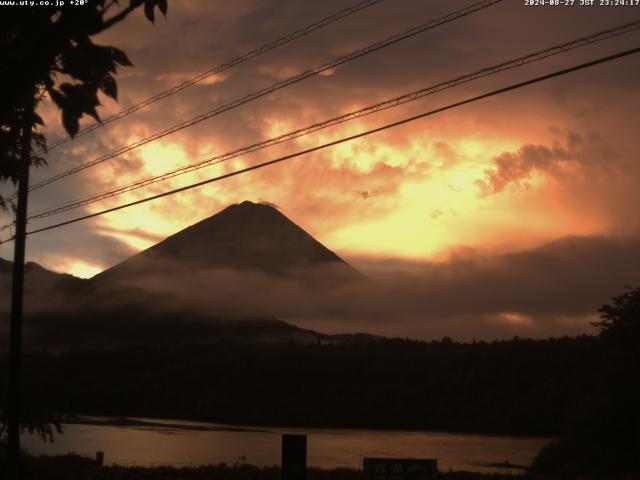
(505, 174)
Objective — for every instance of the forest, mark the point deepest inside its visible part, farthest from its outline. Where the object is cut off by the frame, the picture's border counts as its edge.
(582, 390)
(518, 386)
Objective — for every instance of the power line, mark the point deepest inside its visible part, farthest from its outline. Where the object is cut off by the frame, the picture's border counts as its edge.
(409, 97)
(277, 86)
(499, 91)
(220, 68)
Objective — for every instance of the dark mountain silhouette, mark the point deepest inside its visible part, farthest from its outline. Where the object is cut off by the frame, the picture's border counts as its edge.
(38, 280)
(115, 308)
(63, 312)
(245, 236)
(31, 269)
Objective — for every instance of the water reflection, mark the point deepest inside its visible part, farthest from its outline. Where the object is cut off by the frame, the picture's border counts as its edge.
(180, 443)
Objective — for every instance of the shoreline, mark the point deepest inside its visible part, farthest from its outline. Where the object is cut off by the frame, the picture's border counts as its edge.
(328, 448)
(213, 426)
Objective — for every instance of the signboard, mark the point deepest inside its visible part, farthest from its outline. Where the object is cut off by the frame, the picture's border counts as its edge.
(400, 469)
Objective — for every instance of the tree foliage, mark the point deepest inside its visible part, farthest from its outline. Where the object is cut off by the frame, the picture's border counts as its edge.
(46, 52)
(517, 386)
(620, 320)
(603, 435)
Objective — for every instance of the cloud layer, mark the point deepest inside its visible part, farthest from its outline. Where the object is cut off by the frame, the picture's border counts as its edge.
(549, 291)
(522, 172)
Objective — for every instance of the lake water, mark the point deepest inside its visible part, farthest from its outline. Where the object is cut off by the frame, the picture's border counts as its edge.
(164, 442)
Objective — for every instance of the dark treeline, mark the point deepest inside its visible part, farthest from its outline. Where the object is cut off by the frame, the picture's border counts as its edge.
(517, 386)
(74, 467)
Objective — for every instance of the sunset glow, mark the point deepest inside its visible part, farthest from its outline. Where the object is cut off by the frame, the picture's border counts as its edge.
(518, 173)
(372, 239)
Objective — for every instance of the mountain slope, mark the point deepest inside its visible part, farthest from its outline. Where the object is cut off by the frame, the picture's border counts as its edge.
(38, 280)
(187, 288)
(63, 312)
(242, 237)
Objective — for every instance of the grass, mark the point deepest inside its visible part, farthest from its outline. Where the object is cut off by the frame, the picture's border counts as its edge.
(75, 467)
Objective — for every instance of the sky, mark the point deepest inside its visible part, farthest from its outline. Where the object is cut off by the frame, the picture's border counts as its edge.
(520, 209)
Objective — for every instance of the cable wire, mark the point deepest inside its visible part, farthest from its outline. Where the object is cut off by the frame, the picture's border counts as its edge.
(413, 118)
(400, 100)
(275, 87)
(221, 68)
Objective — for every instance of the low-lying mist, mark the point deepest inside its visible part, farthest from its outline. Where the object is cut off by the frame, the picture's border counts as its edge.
(550, 291)
(553, 290)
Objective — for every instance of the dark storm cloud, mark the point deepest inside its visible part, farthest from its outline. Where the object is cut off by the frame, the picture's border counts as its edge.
(589, 153)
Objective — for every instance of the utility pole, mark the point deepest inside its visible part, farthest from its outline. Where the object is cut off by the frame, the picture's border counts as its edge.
(17, 295)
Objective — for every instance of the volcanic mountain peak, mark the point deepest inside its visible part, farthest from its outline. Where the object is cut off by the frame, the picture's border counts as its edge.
(175, 291)
(245, 236)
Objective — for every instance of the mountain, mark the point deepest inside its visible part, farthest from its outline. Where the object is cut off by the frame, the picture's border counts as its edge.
(38, 280)
(63, 312)
(167, 293)
(242, 237)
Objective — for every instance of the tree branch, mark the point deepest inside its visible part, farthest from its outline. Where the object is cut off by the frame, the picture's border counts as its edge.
(116, 18)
